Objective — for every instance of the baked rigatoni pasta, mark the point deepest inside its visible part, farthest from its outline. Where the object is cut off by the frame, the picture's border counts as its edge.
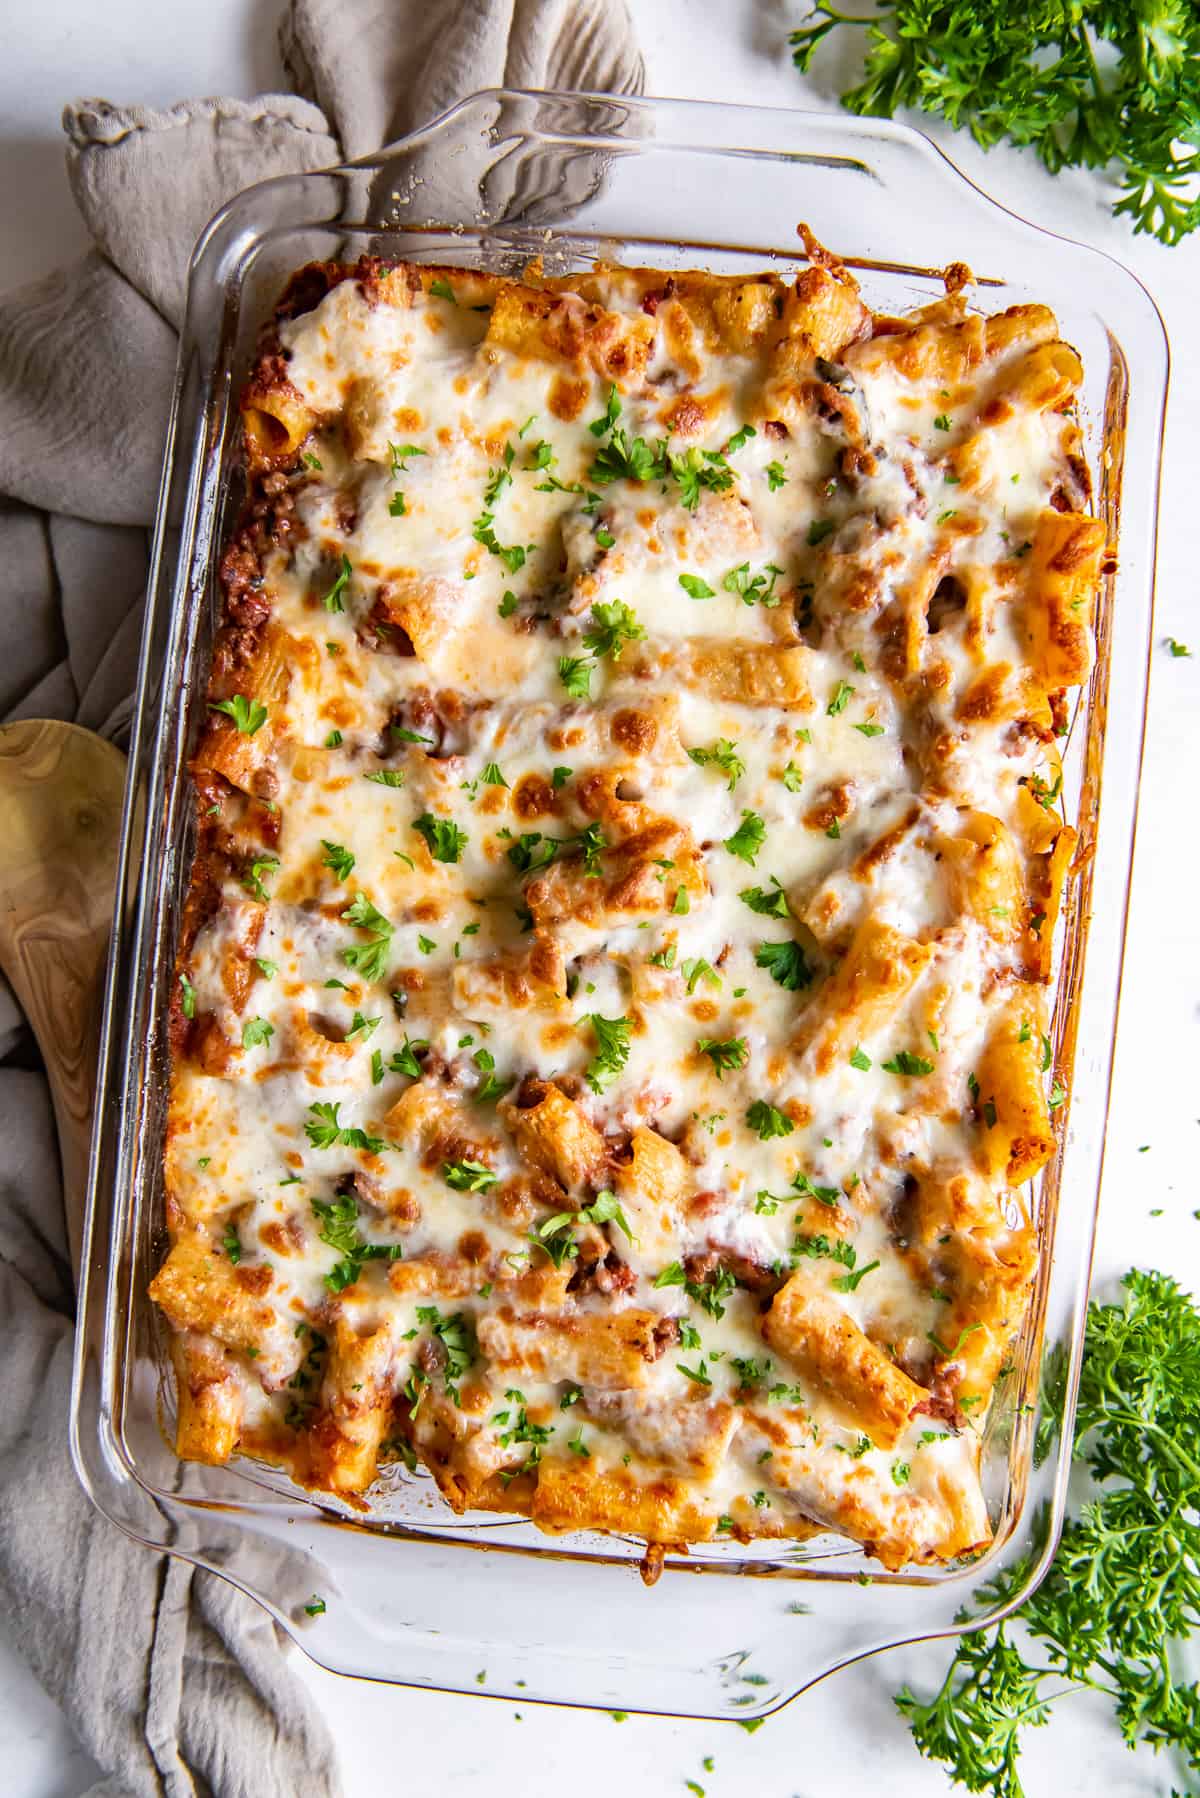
(610, 1043)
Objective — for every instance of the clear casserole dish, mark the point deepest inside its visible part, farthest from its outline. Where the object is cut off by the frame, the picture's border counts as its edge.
(413, 1594)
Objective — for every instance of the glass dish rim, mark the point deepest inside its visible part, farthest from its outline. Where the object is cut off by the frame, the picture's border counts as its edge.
(842, 127)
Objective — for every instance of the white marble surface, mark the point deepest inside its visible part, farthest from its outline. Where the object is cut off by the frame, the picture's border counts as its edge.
(843, 1738)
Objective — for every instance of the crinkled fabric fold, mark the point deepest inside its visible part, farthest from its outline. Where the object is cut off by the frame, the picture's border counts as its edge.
(173, 1681)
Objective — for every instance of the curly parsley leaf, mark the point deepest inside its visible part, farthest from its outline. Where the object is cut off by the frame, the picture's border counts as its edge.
(785, 963)
(370, 958)
(613, 626)
(443, 838)
(748, 839)
(733, 1052)
(769, 902)
(612, 1050)
(333, 599)
(247, 714)
(905, 1062)
(325, 1130)
(339, 1230)
(575, 673)
(767, 1120)
(468, 1176)
(723, 755)
(339, 859)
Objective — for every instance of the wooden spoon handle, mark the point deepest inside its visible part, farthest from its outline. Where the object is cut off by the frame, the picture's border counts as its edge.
(60, 823)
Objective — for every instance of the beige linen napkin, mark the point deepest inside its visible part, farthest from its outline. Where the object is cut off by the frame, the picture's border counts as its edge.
(173, 1681)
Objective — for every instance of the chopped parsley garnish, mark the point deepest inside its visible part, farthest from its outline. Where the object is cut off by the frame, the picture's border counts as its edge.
(612, 1050)
(499, 478)
(775, 476)
(397, 507)
(818, 530)
(612, 411)
(695, 588)
(621, 460)
(560, 776)
(247, 714)
(575, 673)
(740, 438)
(443, 290)
(513, 555)
(334, 740)
(696, 469)
(697, 970)
(253, 881)
(268, 969)
(820, 1247)
(825, 1195)
(556, 1236)
(767, 902)
(942, 422)
(232, 1244)
(723, 755)
(361, 1027)
(333, 599)
(766, 1120)
(786, 963)
(339, 859)
(605, 1209)
(339, 1229)
(256, 1031)
(443, 838)
(841, 699)
(850, 1282)
(754, 590)
(516, 1427)
(532, 851)
(508, 604)
(386, 777)
(326, 1131)
(870, 730)
(859, 1059)
(404, 1060)
(188, 1001)
(748, 839)
(733, 1052)
(457, 1338)
(468, 1176)
(613, 626)
(905, 1062)
(1176, 648)
(370, 958)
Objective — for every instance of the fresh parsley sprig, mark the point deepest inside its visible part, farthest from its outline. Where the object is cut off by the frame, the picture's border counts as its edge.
(1046, 76)
(1124, 1589)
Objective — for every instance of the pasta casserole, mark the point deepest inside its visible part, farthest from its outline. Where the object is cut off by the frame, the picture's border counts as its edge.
(610, 1045)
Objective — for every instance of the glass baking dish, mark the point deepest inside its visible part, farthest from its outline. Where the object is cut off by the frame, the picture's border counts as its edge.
(412, 1593)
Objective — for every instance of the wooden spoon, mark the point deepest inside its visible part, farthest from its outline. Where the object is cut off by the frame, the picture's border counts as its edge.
(60, 824)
